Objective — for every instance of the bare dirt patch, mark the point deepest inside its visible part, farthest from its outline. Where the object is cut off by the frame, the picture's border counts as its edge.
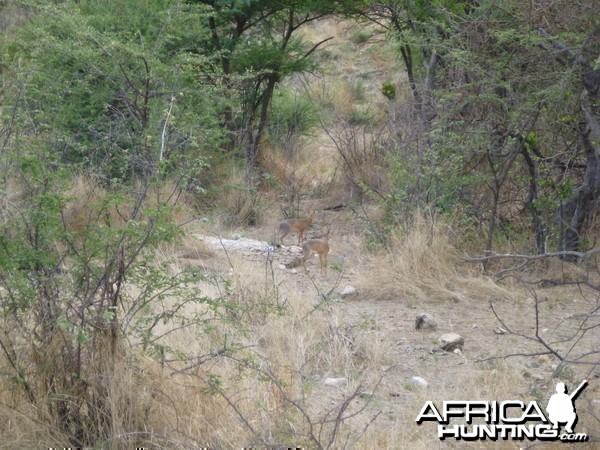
(373, 349)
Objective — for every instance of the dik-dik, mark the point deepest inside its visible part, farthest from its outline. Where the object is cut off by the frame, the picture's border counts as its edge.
(295, 226)
(317, 246)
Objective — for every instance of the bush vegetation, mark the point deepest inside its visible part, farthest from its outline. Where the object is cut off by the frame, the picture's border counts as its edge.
(120, 122)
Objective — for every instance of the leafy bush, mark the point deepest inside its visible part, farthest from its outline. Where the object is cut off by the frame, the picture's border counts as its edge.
(389, 90)
(79, 279)
(292, 116)
(108, 98)
(68, 295)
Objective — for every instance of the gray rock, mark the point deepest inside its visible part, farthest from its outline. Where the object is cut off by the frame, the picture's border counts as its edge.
(451, 341)
(419, 382)
(348, 291)
(425, 321)
(335, 381)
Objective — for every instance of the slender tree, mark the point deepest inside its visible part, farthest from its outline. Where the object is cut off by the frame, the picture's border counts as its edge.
(258, 48)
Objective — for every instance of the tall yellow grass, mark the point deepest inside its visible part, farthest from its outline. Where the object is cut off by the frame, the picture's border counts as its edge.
(88, 205)
(423, 262)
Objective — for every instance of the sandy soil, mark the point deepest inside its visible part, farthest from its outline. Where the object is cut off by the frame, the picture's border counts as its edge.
(381, 336)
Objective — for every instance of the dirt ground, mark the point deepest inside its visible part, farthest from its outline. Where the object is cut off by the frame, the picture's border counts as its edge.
(381, 336)
(374, 348)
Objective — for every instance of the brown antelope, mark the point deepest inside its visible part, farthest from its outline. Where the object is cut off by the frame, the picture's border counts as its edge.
(317, 246)
(295, 225)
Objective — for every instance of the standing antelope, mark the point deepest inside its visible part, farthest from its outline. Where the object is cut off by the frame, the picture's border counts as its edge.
(317, 246)
(295, 225)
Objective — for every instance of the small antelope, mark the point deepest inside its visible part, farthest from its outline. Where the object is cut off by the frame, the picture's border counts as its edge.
(295, 225)
(317, 246)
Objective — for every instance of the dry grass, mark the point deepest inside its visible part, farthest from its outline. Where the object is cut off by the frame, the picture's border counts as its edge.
(291, 347)
(234, 202)
(249, 368)
(279, 342)
(421, 264)
(399, 430)
(89, 204)
(290, 341)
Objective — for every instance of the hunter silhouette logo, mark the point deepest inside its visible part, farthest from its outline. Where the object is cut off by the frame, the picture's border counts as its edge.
(510, 419)
(561, 408)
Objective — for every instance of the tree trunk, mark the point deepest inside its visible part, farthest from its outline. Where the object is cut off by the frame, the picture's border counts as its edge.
(538, 227)
(585, 201)
(406, 52)
(254, 147)
(428, 111)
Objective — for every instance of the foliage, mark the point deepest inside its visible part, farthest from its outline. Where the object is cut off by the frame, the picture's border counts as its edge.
(64, 290)
(99, 84)
(258, 47)
(388, 90)
(110, 99)
(111, 111)
(109, 105)
(495, 108)
(292, 115)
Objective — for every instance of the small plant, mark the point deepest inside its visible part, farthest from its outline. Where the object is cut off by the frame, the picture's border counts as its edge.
(337, 266)
(292, 115)
(388, 90)
(359, 117)
(362, 36)
(357, 89)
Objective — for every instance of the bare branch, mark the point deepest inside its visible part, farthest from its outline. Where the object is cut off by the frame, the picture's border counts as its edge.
(564, 53)
(317, 45)
(549, 348)
(493, 255)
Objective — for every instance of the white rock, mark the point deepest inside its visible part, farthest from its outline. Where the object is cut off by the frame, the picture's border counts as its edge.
(450, 341)
(335, 381)
(419, 382)
(348, 291)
